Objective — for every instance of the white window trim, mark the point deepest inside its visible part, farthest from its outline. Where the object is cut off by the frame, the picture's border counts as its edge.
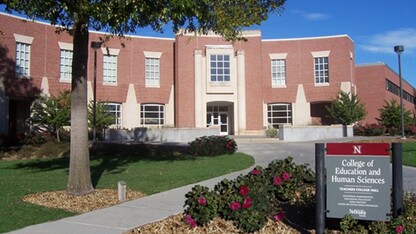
(143, 120)
(320, 54)
(23, 39)
(278, 56)
(60, 77)
(151, 85)
(116, 81)
(27, 41)
(110, 51)
(324, 53)
(117, 121)
(65, 46)
(150, 54)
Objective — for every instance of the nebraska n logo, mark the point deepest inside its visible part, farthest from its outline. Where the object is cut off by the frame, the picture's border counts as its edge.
(357, 149)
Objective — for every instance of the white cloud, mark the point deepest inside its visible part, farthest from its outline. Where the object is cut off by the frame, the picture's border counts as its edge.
(314, 16)
(385, 42)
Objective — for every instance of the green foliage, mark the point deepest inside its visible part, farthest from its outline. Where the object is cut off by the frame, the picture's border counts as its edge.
(212, 145)
(346, 110)
(202, 205)
(50, 114)
(390, 116)
(349, 225)
(405, 223)
(368, 130)
(226, 18)
(271, 132)
(249, 200)
(34, 139)
(103, 119)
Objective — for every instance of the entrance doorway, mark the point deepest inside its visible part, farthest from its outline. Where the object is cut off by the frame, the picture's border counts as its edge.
(218, 116)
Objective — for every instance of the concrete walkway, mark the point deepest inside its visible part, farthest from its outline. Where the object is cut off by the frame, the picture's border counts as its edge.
(123, 217)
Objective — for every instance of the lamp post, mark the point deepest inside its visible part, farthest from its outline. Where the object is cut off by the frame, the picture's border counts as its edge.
(95, 45)
(399, 49)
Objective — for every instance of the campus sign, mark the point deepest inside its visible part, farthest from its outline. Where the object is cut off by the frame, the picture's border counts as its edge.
(358, 180)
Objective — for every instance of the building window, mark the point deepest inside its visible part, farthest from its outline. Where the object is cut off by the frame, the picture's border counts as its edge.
(109, 69)
(114, 109)
(152, 72)
(152, 115)
(22, 59)
(66, 65)
(278, 72)
(395, 89)
(220, 67)
(321, 70)
(279, 113)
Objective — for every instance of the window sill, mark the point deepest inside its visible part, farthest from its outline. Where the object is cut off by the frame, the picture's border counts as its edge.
(279, 86)
(220, 84)
(110, 84)
(152, 86)
(321, 84)
(65, 81)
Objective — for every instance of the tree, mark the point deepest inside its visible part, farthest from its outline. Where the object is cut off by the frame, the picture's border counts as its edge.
(117, 17)
(391, 118)
(103, 119)
(346, 109)
(50, 114)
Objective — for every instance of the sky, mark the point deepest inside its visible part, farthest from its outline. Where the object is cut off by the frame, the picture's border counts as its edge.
(375, 26)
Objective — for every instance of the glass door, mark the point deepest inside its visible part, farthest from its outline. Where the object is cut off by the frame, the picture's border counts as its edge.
(218, 116)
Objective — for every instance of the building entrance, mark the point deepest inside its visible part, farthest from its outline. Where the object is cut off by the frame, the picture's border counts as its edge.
(218, 116)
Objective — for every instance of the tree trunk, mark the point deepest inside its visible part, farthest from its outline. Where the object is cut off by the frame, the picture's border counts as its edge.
(79, 180)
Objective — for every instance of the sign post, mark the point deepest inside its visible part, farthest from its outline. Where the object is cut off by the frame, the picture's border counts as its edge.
(358, 180)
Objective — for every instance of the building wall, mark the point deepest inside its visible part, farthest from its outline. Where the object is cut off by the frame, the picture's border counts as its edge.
(184, 88)
(371, 89)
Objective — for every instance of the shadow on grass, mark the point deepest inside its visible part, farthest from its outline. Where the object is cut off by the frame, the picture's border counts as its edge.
(112, 158)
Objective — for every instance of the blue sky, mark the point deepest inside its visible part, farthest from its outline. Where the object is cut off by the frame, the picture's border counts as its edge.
(375, 26)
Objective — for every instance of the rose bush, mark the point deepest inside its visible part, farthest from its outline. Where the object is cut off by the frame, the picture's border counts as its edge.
(251, 199)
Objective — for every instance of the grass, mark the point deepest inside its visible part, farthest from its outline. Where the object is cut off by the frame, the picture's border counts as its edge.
(148, 169)
(409, 154)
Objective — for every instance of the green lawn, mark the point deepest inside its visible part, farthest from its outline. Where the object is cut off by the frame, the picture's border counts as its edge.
(409, 154)
(148, 173)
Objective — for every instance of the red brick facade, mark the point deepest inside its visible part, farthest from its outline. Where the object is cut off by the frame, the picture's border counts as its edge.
(184, 88)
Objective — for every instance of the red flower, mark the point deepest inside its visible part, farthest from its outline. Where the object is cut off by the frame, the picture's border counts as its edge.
(255, 171)
(247, 203)
(279, 216)
(286, 176)
(202, 201)
(235, 206)
(244, 190)
(399, 229)
(277, 180)
(190, 221)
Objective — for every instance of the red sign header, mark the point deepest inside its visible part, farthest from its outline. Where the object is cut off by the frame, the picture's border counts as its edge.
(358, 149)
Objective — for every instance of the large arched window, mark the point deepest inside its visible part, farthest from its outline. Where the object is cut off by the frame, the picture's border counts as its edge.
(279, 113)
(152, 115)
(115, 110)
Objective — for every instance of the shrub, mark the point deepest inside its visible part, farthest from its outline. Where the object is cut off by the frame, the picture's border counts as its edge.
(249, 200)
(202, 205)
(212, 145)
(411, 130)
(271, 132)
(404, 223)
(368, 130)
(34, 139)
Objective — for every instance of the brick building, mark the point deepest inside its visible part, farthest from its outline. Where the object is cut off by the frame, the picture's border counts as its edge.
(189, 81)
